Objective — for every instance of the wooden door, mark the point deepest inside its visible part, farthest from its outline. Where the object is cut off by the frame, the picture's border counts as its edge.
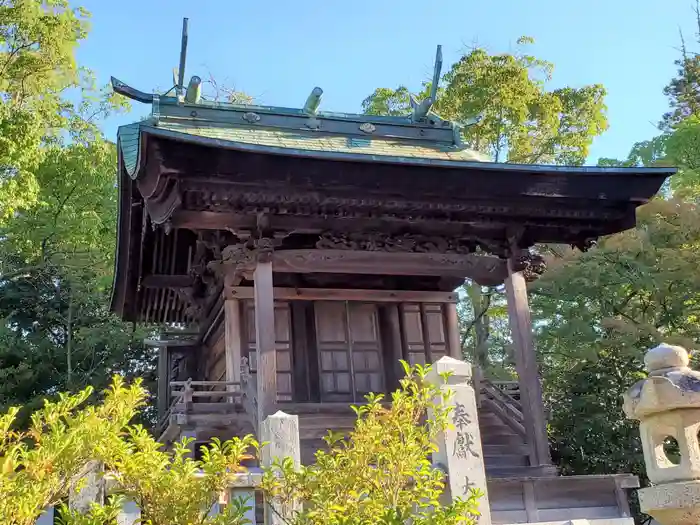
(349, 348)
(283, 344)
(424, 334)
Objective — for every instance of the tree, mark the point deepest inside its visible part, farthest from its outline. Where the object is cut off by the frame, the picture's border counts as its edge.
(381, 473)
(521, 121)
(38, 39)
(57, 211)
(56, 262)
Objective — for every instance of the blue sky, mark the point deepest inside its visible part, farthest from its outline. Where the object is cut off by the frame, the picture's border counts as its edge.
(278, 50)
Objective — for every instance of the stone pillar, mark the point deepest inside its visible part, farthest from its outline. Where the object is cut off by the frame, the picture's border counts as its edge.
(248, 496)
(130, 514)
(46, 517)
(281, 432)
(87, 487)
(459, 448)
(667, 405)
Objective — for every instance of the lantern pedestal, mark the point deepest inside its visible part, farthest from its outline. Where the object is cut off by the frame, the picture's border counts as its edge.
(667, 405)
(672, 503)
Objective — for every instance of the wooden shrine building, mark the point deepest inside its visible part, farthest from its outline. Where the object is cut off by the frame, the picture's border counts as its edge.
(296, 256)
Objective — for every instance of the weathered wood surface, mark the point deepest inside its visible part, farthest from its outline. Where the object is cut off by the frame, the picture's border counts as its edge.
(453, 330)
(330, 294)
(527, 368)
(163, 381)
(487, 270)
(529, 500)
(265, 340)
(232, 334)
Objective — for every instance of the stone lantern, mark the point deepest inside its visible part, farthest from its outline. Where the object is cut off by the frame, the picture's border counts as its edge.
(667, 405)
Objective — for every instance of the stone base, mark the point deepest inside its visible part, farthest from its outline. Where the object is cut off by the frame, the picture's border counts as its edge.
(603, 521)
(672, 503)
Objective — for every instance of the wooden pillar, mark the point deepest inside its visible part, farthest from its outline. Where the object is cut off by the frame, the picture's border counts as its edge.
(163, 381)
(265, 339)
(232, 320)
(390, 329)
(454, 340)
(526, 365)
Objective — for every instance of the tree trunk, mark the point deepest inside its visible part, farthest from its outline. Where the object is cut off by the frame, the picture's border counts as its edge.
(480, 304)
(69, 338)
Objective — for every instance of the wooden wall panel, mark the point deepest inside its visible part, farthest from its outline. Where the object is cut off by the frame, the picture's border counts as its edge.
(349, 347)
(333, 350)
(424, 332)
(412, 324)
(434, 329)
(365, 345)
(283, 343)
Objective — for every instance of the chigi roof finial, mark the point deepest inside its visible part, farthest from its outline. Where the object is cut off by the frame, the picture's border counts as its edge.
(180, 86)
(421, 109)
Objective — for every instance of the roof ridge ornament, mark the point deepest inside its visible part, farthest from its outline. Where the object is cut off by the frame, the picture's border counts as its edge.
(422, 108)
(313, 101)
(179, 88)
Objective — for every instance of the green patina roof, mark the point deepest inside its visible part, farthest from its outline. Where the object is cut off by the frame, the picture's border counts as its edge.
(280, 131)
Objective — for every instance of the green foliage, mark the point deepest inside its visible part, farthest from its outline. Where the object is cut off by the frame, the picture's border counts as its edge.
(682, 149)
(96, 514)
(58, 202)
(389, 102)
(38, 466)
(683, 91)
(598, 313)
(38, 39)
(382, 472)
(171, 488)
(56, 262)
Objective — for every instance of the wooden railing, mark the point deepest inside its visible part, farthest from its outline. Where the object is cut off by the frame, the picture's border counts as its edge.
(200, 397)
(185, 392)
(510, 388)
(503, 404)
(249, 393)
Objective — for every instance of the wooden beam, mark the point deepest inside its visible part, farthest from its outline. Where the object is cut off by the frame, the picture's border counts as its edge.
(167, 281)
(485, 269)
(390, 328)
(332, 294)
(161, 343)
(223, 220)
(163, 381)
(300, 346)
(265, 340)
(526, 365)
(454, 341)
(232, 334)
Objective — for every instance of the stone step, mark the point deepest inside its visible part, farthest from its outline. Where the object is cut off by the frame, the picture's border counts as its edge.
(519, 471)
(506, 460)
(520, 449)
